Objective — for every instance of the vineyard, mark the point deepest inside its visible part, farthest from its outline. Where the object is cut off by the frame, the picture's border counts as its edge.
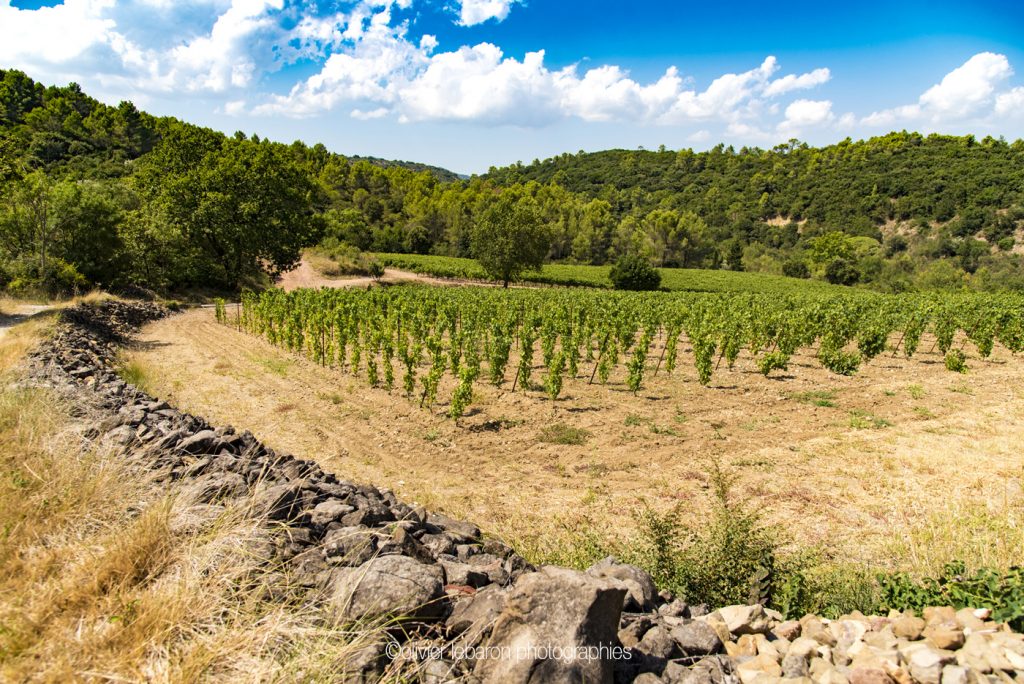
(410, 338)
(673, 279)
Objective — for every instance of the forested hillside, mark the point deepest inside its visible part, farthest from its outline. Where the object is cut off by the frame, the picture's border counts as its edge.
(111, 196)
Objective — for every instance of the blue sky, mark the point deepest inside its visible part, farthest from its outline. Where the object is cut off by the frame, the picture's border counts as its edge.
(467, 84)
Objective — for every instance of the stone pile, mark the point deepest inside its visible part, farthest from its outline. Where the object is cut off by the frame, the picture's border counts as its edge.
(471, 608)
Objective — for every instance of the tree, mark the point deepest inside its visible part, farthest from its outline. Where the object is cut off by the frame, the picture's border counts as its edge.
(509, 238)
(634, 272)
(734, 257)
(796, 268)
(241, 206)
(842, 272)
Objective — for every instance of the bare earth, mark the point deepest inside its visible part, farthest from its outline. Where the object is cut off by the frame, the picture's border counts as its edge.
(912, 462)
(304, 275)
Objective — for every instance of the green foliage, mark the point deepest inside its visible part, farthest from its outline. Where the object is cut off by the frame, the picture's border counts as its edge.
(560, 433)
(795, 267)
(839, 361)
(842, 272)
(1002, 592)
(726, 560)
(772, 361)
(956, 361)
(510, 238)
(634, 272)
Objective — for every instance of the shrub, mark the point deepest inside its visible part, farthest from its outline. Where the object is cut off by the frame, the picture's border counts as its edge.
(57, 278)
(796, 268)
(956, 361)
(1006, 243)
(839, 361)
(1002, 592)
(726, 560)
(634, 272)
(772, 361)
(842, 272)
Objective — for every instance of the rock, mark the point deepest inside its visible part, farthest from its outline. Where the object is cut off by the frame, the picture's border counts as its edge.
(283, 501)
(437, 544)
(908, 627)
(789, 629)
(869, 675)
(954, 674)
(216, 486)
(633, 632)
(745, 619)
(202, 442)
(753, 670)
(676, 608)
(463, 531)
(967, 620)
(642, 593)
(696, 638)
(328, 511)
(648, 678)
(390, 585)
(350, 546)
(548, 613)
(794, 666)
(944, 636)
(925, 663)
(477, 613)
(658, 643)
(463, 573)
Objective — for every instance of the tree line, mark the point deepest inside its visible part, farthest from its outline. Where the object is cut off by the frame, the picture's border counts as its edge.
(111, 196)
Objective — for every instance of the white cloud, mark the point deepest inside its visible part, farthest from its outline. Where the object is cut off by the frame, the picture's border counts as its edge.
(967, 92)
(1010, 103)
(804, 114)
(473, 12)
(52, 35)
(792, 82)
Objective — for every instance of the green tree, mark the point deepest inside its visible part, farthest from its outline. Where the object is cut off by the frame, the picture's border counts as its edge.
(509, 238)
(634, 272)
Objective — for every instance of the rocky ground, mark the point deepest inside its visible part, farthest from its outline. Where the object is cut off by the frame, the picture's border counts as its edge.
(459, 606)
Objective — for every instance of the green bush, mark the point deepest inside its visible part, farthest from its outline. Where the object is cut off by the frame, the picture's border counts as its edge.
(796, 268)
(839, 361)
(728, 559)
(956, 361)
(842, 272)
(1002, 592)
(57, 278)
(772, 361)
(634, 272)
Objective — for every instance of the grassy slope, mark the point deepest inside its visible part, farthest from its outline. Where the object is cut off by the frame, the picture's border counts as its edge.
(690, 279)
(104, 577)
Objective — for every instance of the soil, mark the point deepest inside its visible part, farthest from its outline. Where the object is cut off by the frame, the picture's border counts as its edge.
(874, 467)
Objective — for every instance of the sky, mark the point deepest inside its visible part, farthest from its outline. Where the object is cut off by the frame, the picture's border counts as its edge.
(470, 84)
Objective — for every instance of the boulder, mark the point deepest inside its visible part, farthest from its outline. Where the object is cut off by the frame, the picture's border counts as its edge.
(553, 628)
(641, 592)
(745, 619)
(387, 586)
(696, 638)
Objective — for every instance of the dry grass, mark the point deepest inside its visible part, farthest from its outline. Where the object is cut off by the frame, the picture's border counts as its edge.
(106, 578)
(843, 464)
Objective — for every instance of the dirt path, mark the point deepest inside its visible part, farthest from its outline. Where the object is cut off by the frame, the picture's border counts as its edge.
(866, 466)
(304, 275)
(21, 313)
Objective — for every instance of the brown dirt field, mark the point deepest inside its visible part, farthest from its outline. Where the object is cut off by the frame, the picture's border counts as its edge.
(910, 466)
(305, 275)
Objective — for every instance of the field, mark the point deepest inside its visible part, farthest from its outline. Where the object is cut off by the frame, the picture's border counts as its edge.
(674, 279)
(903, 465)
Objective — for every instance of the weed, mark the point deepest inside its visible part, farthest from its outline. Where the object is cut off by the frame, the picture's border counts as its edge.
(659, 430)
(633, 420)
(956, 361)
(862, 420)
(825, 398)
(560, 433)
(916, 392)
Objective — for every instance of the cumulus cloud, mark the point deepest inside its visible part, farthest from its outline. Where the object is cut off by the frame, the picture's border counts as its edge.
(792, 82)
(967, 92)
(473, 12)
(27, 37)
(1010, 103)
